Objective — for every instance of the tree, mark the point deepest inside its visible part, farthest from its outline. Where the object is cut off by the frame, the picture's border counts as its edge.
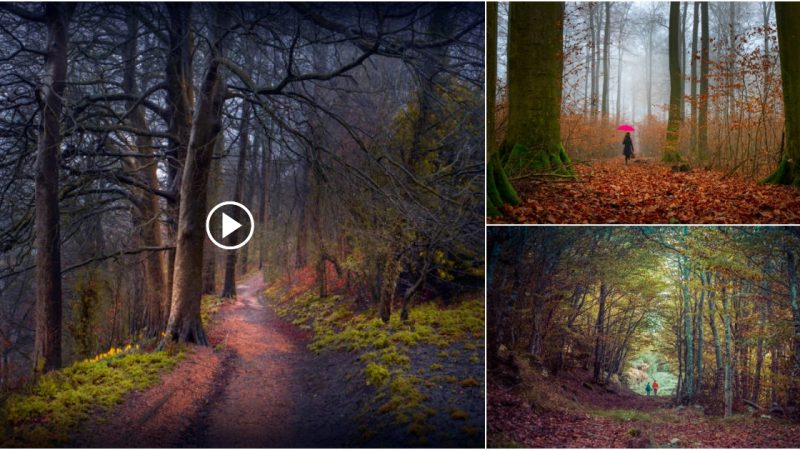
(229, 287)
(606, 62)
(184, 323)
(535, 64)
(787, 16)
(499, 190)
(671, 152)
(693, 78)
(47, 348)
(147, 210)
(702, 119)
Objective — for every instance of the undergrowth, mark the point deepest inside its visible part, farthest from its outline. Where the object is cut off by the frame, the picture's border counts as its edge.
(384, 348)
(49, 411)
(623, 415)
(209, 305)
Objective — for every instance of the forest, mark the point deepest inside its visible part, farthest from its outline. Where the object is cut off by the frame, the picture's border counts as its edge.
(705, 91)
(588, 317)
(353, 132)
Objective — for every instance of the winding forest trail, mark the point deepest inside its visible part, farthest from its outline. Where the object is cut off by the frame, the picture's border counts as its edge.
(261, 387)
(647, 191)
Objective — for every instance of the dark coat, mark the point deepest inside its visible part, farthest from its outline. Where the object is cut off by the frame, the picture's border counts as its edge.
(628, 144)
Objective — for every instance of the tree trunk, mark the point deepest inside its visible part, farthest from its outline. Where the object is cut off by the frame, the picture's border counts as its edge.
(229, 288)
(791, 268)
(147, 210)
(47, 238)
(180, 98)
(702, 124)
(263, 200)
(598, 329)
(693, 79)
(682, 39)
(727, 392)
(700, 343)
(535, 66)
(671, 151)
(712, 315)
(214, 190)
(787, 16)
(606, 42)
(759, 351)
(498, 188)
(184, 320)
(687, 321)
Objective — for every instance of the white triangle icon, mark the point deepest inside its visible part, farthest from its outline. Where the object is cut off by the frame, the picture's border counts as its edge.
(229, 225)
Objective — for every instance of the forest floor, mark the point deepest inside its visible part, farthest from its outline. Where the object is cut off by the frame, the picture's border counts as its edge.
(646, 191)
(259, 385)
(569, 411)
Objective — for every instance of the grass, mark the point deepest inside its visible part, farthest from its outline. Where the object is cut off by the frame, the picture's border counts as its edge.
(384, 348)
(52, 408)
(209, 305)
(623, 415)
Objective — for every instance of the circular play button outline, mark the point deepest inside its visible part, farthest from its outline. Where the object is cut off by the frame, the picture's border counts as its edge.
(249, 216)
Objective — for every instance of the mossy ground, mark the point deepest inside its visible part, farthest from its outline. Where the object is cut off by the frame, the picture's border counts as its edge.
(209, 305)
(50, 410)
(403, 361)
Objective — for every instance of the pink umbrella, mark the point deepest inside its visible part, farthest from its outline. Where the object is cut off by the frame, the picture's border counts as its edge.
(626, 127)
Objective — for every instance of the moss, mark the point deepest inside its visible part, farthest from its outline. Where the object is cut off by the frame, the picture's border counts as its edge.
(502, 184)
(60, 400)
(390, 356)
(470, 431)
(457, 414)
(376, 374)
(470, 382)
(623, 415)
(783, 174)
(493, 200)
(523, 160)
(209, 305)
(383, 348)
(671, 156)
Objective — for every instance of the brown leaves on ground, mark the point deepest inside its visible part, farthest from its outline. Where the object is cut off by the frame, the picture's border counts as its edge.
(650, 192)
(514, 422)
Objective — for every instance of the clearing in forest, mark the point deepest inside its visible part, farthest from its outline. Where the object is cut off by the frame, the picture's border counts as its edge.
(646, 191)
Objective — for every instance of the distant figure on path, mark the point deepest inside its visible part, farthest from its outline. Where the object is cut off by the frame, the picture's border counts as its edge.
(647, 388)
(628, 147)
(655, 387)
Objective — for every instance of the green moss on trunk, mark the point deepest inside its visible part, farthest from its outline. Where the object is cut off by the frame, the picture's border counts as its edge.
(502, 185)
(783, 174)
(493, 200)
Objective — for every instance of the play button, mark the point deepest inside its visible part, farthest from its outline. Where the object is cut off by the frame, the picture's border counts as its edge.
(229, 225)
(224, 225)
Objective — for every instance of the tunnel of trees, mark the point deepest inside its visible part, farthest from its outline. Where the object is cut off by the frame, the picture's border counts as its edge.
(716, 308)
(353, 132)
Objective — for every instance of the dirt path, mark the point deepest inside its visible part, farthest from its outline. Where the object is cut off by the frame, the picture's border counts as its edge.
(646, 191)
(260, 387)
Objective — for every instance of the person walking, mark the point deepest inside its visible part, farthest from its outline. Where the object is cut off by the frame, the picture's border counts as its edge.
(655, 387)
(647, 388)
(627, 145)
